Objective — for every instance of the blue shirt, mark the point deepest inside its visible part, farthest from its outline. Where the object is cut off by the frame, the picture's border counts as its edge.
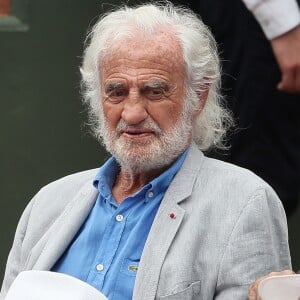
(107, 249)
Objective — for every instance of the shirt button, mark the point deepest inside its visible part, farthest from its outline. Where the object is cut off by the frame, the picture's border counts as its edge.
(150, 194)
(119, 218)
(100, 267)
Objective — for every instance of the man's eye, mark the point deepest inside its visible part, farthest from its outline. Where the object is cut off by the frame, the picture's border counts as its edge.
(117, 95)
(155, 93)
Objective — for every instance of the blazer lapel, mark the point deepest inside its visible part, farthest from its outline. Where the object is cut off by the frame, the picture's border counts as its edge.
(166, 223)
(46, 252)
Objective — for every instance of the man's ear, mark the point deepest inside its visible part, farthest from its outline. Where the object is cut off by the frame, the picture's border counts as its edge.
(202, 97)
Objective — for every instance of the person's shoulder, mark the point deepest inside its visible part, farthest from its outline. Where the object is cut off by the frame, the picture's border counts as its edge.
(229, 171)
(232, 188)
(211, 171)
(72, 180)
(59, 192)
(230, 179)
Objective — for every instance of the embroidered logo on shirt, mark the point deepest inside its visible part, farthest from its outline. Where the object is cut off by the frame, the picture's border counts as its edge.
(133, 268)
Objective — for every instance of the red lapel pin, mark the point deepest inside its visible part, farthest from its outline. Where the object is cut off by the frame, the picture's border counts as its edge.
(172, 216)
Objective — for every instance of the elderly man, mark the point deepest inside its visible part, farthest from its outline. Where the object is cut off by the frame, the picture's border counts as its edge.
(158, 220)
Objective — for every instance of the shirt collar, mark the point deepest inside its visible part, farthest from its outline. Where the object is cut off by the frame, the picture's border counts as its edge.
(161, 183)
(106, 175)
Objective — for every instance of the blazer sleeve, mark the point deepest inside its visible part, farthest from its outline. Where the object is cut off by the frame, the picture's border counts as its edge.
(257, 245)
(16, 255)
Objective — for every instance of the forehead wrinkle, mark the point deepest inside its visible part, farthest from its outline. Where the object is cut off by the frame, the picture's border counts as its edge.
(163, 48)
(133, 66)
(138, 76)
(142, 59)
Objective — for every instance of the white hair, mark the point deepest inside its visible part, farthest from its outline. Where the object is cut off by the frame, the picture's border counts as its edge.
(202, 67)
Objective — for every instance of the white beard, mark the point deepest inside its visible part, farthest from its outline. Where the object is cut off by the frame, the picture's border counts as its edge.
(154, 153)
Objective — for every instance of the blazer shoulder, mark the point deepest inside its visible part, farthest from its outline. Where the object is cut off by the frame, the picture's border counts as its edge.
(53, 198)
(229, 173)
(72, 181)
(214, 170)
(236, 185)
(213, 179)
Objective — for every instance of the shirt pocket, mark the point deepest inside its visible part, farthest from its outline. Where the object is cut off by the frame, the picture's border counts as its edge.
(125, 280)
(189, 291)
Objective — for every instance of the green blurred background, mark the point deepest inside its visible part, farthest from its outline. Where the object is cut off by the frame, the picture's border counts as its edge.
(42, 130)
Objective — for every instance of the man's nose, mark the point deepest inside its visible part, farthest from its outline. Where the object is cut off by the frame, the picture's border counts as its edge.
(134, 110)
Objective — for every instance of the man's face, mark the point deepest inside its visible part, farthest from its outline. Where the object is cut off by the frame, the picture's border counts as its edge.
(143, 102)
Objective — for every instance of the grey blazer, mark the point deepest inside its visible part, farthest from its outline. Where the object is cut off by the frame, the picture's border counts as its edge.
(229, 228)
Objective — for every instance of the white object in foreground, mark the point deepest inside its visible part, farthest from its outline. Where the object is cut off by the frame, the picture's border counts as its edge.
(283, 287)
(46, 285)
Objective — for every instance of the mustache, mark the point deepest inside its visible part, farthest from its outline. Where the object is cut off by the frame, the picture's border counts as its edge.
(148, 124)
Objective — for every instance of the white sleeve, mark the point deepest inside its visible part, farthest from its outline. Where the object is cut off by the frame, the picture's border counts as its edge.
(276, 17)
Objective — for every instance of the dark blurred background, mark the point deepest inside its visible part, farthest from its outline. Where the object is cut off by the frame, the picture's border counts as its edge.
(42, 130)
